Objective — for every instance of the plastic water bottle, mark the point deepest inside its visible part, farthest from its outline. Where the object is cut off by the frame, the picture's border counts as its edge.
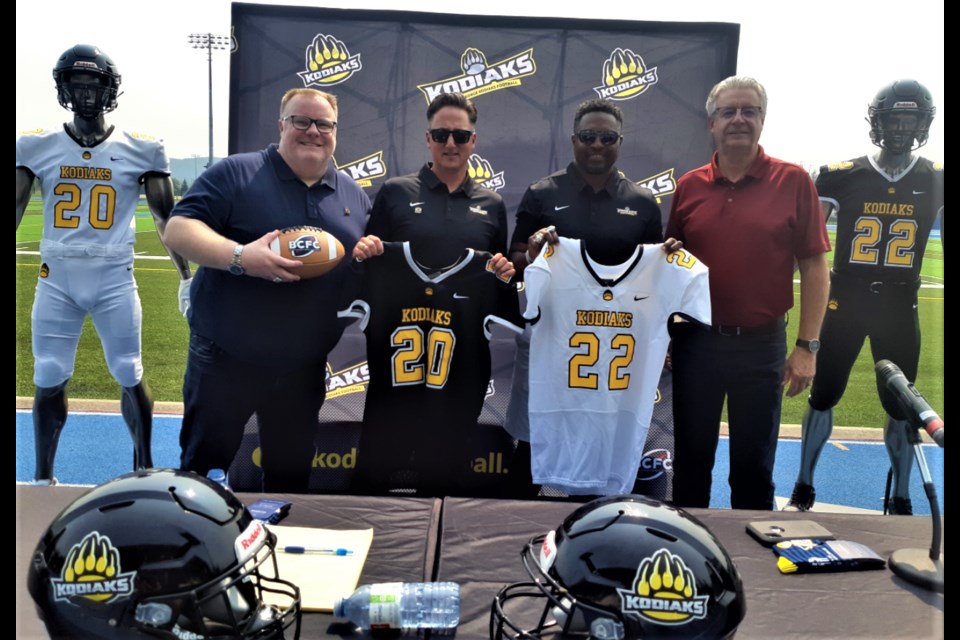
(403, 605)
(220, 477)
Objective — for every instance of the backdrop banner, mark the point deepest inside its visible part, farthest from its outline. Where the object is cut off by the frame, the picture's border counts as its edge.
(526, 75)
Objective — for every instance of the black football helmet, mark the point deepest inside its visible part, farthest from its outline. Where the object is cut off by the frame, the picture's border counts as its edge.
(160, 554)
(87, 99)
(624, 567)
(901, 97)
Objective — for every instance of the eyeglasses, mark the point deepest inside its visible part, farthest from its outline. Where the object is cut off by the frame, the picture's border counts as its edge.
(729, 113)
(607, 138)
(460, 136)
(302, 123)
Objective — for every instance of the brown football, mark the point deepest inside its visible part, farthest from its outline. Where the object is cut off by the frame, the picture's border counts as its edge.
(318, 250)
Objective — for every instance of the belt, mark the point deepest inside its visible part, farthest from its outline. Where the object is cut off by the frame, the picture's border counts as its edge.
(764, 329)
(876, 286)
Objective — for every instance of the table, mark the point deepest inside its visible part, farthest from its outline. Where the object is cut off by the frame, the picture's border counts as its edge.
(404, 540)
(481, 542)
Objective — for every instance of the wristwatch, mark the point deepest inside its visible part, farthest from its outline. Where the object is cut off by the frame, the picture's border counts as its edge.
(236, 268)
(810, 345)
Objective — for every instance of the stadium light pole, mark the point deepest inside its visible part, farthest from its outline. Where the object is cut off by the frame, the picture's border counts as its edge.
(209, 41)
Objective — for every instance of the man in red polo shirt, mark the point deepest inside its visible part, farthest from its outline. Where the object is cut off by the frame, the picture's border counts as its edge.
(749, 218)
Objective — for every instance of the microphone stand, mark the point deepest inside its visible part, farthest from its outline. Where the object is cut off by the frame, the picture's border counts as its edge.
(919, 567)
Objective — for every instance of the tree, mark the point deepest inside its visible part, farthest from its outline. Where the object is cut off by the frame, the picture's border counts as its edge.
(183, 187)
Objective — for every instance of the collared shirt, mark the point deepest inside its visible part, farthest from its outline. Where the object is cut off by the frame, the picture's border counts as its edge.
(438, 224)
(243, 197)
(611, 222)
(749, 233)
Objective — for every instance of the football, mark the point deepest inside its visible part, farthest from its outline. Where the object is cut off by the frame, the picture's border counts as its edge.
(318, 250)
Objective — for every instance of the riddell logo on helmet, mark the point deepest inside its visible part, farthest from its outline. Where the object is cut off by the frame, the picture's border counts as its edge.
(303, 246)
(92, 571)
(249, 541)
(664, 592)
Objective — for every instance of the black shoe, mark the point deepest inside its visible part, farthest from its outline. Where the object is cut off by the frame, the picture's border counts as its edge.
(802, 499)
(900, 507)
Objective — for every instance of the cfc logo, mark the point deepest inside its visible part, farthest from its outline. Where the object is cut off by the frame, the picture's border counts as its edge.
(365, 170)
(480, 77)
(482, 173)
(625, 76)
(654, 464)
(662, 184)
(328, 62)
(92, 572)
(302, 246)
(664, 592)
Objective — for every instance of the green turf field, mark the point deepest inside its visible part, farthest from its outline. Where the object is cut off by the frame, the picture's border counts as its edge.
(165, 334)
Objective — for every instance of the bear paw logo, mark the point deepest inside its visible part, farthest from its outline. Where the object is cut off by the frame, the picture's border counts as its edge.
(481, 172)
(328, 62)
(92, 571)
(664, 591)
(473, 61)
(625, 76)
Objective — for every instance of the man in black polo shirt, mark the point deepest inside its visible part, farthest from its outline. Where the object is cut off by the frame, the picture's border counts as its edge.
(440, 210)
(589, 200)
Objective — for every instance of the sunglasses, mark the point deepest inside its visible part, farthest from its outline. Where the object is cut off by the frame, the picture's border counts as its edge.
(607, 138)
(460, 136)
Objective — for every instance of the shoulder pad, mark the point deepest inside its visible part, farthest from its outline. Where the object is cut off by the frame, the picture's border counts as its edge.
(837, 166)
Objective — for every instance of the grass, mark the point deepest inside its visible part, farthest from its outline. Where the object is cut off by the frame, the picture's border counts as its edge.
(165, 334)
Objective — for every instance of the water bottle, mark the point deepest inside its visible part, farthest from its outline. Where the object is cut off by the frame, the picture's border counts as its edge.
(220, 477)
(403, 605)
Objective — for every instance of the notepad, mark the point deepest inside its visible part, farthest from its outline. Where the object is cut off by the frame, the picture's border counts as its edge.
(323, 578)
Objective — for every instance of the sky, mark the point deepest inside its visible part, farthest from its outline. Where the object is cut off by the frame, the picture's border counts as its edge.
(822, 61)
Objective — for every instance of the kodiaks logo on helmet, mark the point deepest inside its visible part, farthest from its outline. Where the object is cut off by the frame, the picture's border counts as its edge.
(482, 173)
(92, 571)
(365, 170)
(480, 77)
(328, 62)
(302, 246)
(664, 592)
(625, 76)
(662, 184)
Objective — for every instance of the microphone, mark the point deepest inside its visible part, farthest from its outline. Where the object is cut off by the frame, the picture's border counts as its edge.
(915, 407)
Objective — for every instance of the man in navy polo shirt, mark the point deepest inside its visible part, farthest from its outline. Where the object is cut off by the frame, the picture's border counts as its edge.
(259, 334)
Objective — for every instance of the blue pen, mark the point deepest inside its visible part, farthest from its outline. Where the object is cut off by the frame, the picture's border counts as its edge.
(329, 552)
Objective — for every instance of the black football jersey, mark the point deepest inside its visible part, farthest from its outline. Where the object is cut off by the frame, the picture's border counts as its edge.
(883, 222)
(428, 345)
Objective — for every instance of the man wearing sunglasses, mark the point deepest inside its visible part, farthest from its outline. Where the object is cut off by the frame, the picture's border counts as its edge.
(589, 200)
(749, 218)
(259, 334)
(440, 210)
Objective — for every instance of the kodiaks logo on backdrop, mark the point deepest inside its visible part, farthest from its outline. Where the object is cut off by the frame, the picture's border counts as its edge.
(625, 76)
(365, 170)
(662, 184)
(480, 77)
(353, 379)
(328, 62)
(482, 173)
(92, 571)
(664, 592)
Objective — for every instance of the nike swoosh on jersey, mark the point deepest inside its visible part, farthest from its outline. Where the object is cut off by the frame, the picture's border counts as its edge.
(556, 208)
(638, 298)
(415, 204)
(918, 193)
(457, 296)
(115, 159)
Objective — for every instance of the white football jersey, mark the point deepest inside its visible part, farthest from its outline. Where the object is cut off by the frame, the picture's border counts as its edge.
(596, 354)
(90, 194)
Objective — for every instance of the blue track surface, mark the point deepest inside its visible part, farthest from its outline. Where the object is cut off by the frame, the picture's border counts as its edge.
(95, 447)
